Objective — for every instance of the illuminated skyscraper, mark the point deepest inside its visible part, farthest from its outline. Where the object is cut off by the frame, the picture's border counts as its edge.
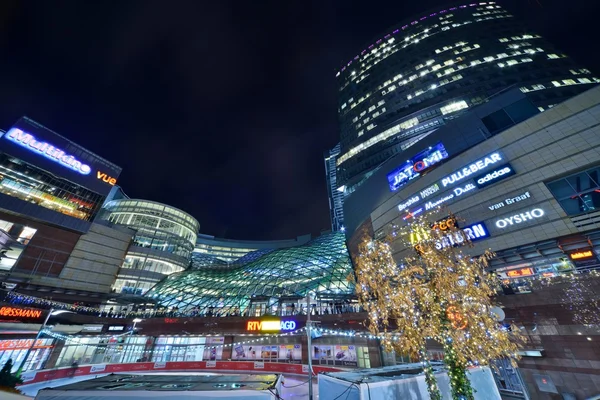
(335, 194)
(430, 68)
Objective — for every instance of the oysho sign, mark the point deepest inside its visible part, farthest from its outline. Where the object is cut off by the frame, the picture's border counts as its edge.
(55, 154)
(416, 165)
(471, 169)
(520, 218)
(498, 174)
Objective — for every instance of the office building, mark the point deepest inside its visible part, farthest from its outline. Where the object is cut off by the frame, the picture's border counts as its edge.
(335, 193)
(429, 69)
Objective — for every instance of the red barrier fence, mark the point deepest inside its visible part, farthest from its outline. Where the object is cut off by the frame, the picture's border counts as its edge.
(30, 377)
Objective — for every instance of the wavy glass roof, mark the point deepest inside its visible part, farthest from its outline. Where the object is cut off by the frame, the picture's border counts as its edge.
(321, 266)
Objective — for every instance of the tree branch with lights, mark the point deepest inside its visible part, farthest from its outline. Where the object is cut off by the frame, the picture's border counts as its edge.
(436, 293)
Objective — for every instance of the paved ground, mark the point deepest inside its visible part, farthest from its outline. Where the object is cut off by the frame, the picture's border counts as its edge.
(295, 387)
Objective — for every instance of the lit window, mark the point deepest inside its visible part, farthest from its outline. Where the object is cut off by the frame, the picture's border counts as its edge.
(360, 133)
(453, 107)
(512, 62)
(555, 83)
(569, 82)
(584, 80)
(553, 56)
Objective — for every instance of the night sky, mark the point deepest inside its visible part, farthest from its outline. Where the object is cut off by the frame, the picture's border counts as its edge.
(222, 109)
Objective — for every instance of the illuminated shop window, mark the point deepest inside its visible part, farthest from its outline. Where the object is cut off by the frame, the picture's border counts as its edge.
(31, 184)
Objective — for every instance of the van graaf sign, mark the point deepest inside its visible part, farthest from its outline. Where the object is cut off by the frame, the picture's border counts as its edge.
(416, 165)
(510, 201)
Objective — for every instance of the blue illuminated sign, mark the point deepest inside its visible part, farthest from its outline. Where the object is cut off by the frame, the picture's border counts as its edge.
(473, 232)
(29, 142)
(414, 167)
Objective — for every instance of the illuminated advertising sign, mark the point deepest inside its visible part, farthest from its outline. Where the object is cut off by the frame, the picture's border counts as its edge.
(473, 232)
(271, 325)
(517, 273)
(40, 147)
(582, 255)
(47, 150)
(408, 203)
(414, 167)
(520, 218)
(430, 190)
(471, 169)
(8, 312)
(510, 201)
(498, 174)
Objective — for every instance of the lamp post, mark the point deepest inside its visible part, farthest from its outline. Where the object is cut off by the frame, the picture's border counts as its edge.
(309, 345)
(52, 312)
(135, 321)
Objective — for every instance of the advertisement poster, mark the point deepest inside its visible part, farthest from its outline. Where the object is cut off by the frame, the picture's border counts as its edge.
(216, 353)
(322, 353)
(290, 352)
(346, 355)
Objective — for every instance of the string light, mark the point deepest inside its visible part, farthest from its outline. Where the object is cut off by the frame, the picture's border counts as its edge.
(437, 293)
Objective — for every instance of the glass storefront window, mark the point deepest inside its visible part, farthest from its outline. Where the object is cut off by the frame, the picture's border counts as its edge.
(15, 349)
(97, 350)
(31, 184)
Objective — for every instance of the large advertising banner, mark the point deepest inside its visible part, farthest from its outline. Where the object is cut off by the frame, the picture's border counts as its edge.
(345, 355)
(213, 353)
(284, 352)
(290, 352)
(335, 354)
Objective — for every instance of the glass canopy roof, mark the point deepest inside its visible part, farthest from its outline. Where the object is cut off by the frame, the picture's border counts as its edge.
(321, 266)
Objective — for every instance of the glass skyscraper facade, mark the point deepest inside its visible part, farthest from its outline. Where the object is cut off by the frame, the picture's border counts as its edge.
(336, 195)
(431, 68)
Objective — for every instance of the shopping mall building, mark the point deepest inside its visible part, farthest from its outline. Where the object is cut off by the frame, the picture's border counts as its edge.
(486, 122)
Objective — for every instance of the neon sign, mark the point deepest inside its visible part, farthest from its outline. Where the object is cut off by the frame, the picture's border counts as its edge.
(471, 169)
(519, 218)
(581, 254)
(273, 325)
(414, 167)
(28, 141)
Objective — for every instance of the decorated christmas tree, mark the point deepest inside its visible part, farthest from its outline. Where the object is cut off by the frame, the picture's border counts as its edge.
(436, 293)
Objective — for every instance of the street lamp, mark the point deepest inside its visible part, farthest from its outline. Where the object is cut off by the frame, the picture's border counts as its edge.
(52, 312)
(135, 321)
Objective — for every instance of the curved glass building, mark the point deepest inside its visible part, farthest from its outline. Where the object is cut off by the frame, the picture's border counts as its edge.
(262, 281)
(163, 242)
(429, 69)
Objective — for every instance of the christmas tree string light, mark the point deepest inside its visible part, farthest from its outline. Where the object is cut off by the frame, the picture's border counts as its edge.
(438, 293)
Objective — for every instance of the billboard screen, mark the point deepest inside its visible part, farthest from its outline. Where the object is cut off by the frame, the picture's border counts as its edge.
(39, 146)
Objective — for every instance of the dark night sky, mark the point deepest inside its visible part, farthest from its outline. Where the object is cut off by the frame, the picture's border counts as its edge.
(222, 109)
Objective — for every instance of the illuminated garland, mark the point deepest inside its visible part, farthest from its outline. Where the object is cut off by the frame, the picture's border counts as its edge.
(439, 293)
